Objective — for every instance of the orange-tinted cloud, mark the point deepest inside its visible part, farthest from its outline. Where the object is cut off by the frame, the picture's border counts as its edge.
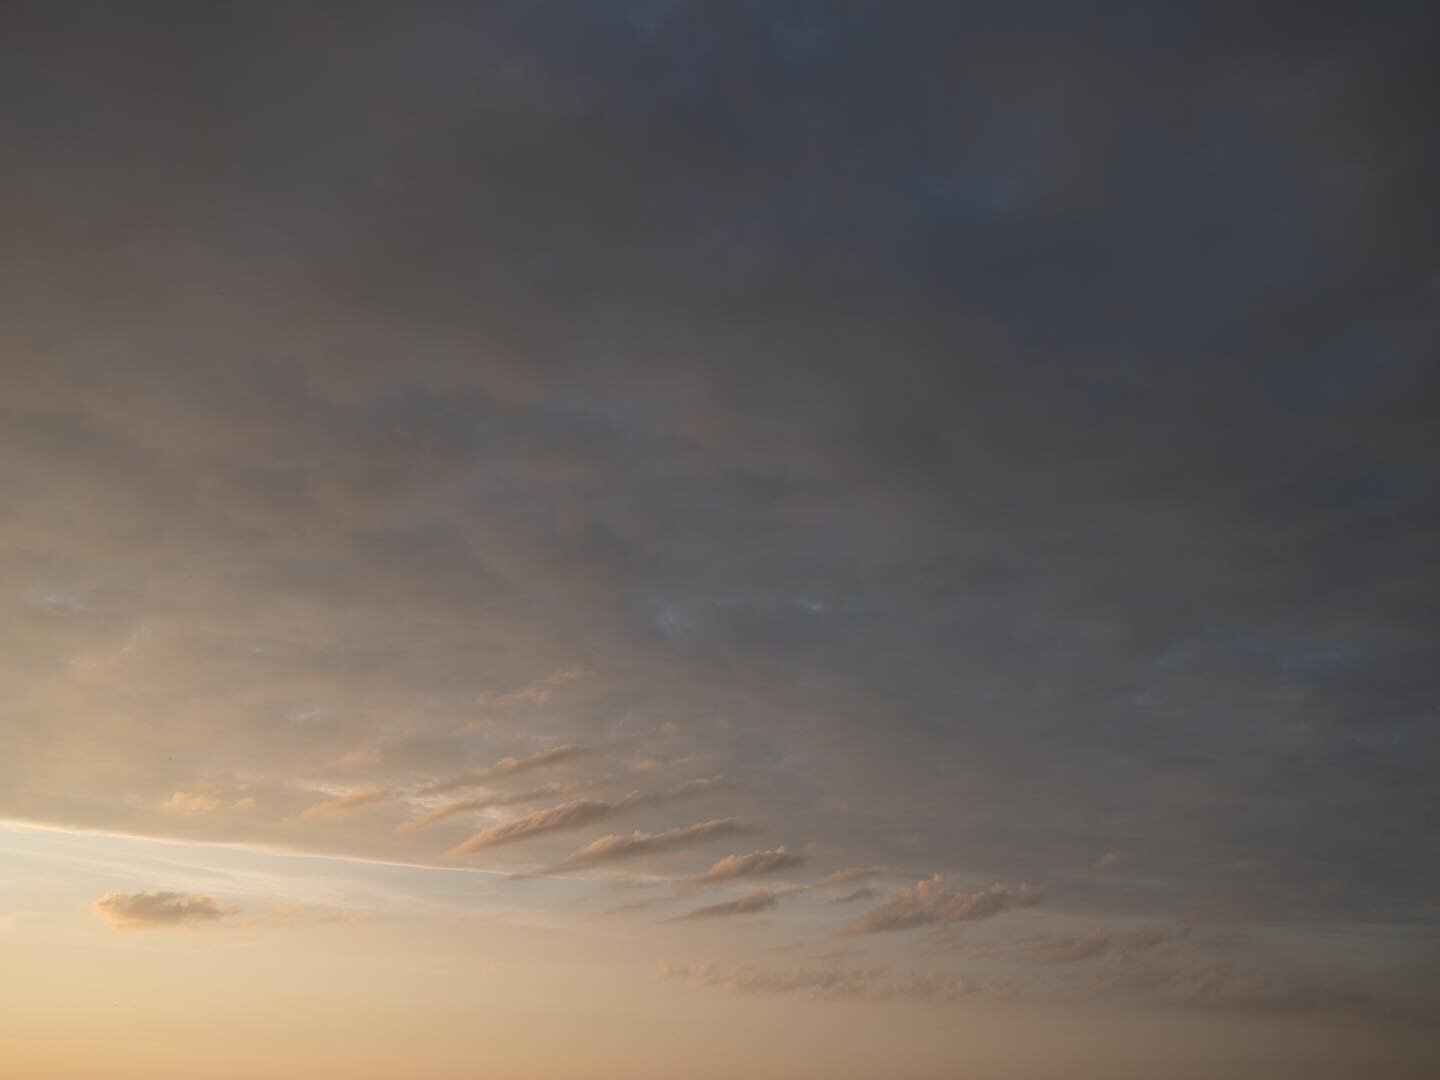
(756, 864)
(751, 903)
(615, 848)
(153, 910)
(579, 813)
(931, 903)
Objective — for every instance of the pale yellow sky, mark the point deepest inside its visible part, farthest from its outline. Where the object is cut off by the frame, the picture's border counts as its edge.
(332, 967)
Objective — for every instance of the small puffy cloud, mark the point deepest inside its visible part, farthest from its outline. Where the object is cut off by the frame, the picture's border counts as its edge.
(155, 910)
(751, 903)
(190, 804)
(931, 903)
(615, 848)
(865, 892)
(644, 766)
(579, 813)
(1110, 858)
(756, 864)
(510, 766)
(345, 805)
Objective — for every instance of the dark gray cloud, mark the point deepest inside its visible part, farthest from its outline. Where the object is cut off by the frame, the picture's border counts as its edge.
(1001, 435)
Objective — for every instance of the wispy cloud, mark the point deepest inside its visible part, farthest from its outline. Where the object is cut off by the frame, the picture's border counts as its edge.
(852, 876)
(486, 802)
(750, 904)
(622, 910)
(865, 892)
(931, 903)
(191, 804)
(755, 864)
(155, 910)
(832, 983)
(615, 848)
(336, 809)
(538, 692)
(1051, 950)
(579, 813)
(511, 766)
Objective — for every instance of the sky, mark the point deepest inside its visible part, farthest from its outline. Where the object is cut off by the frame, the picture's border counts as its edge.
(787, 540)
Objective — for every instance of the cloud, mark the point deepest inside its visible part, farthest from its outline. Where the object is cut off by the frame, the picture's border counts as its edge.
(833, 982)
(485, 802)
(622, 910)
(1110, 858)
(863, 893)
(930, 903)
(571, 815)
(1069, 950)
(363, 756)
(615, 848)
(579, 813)
(755, 864)
(154, 910)
(852, 876)
(750, 904)
(510, 766)
(190, 804)
(538, 692)
(343, 807)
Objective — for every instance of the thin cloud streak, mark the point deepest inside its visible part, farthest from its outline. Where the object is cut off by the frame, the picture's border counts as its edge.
(486, 802)
(751, 903)
(510, 766)
(931, 903)
(614, 848)
(734, 867)
(346, 805)
(579, 813)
